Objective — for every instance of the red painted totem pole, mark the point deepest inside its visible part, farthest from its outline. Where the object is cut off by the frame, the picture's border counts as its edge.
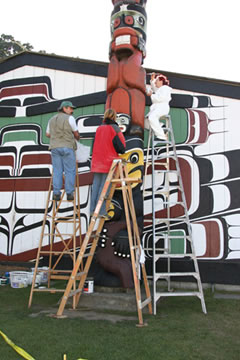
(125, 94)
(126, 77)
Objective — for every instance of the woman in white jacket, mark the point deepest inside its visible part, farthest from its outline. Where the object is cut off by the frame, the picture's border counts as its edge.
(160, 94)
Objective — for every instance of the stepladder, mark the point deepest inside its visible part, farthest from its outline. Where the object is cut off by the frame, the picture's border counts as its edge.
(59, 242)
(118, 175)
(168, 237)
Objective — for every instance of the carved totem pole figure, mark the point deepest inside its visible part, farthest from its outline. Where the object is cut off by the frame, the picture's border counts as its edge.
(125, 94)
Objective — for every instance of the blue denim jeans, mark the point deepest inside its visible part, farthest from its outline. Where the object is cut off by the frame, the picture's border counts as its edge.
(97, 186)
(63, 162)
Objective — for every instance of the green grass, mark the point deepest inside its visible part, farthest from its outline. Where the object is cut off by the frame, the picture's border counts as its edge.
(179, 331)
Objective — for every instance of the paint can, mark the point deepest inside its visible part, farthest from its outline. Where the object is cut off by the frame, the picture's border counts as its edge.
(88, 286)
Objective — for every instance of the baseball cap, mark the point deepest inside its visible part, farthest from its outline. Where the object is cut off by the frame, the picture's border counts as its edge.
(66, 103)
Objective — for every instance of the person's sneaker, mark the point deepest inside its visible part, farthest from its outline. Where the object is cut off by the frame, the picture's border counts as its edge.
(70, 197)
(56, 197)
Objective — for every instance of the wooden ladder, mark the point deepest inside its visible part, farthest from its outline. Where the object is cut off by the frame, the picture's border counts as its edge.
(63, 239)
(118, 174)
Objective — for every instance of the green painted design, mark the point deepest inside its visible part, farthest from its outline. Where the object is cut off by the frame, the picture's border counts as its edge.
(21, 136)
(179, 123)
(177, 245)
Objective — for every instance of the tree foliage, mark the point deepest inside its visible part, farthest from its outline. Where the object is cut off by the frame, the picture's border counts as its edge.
(9, 46)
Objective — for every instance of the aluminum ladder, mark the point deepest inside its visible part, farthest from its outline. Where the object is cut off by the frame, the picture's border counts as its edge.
(169, 229)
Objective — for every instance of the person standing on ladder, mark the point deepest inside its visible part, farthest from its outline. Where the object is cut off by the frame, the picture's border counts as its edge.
(160, 93)
(62, 131)
(108, 143)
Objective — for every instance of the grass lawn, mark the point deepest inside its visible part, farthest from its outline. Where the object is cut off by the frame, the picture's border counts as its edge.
(179, 331)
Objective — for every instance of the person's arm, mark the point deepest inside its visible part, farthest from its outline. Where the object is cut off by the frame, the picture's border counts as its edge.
(48, 131)
(73, 125)
(76, 135)
(118, 140)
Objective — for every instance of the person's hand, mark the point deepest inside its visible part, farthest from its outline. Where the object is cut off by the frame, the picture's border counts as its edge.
(153, 76)
(148, 90)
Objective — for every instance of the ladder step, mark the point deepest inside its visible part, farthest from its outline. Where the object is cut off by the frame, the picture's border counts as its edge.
(164, 171)
(129, 180)
(178, 293)
(165, 142)
(53, 252)
(145, 302)
(75, 292)
(162, 234)
(69, 221)
(59, 277)
(159, 256)
(160, 220)
(70, 235)
(165, 274)
(51, 290)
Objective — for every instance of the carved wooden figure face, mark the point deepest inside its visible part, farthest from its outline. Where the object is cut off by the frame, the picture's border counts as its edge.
(128, 27)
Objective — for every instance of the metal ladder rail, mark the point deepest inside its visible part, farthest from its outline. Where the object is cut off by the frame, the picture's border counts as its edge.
(196, 266)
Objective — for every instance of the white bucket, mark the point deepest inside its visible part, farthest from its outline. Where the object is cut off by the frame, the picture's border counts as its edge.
(19, 279)
(43, 272)
(38, 279)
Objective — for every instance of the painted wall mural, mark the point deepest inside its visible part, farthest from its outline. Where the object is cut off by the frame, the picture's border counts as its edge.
(205, 116)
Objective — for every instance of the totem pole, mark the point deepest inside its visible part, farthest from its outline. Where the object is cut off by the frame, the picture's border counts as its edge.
(125, 94)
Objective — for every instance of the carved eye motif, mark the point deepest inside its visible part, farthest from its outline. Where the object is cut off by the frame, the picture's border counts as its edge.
(129, 20)
(134, 158)
(141, 20)
(117, 22)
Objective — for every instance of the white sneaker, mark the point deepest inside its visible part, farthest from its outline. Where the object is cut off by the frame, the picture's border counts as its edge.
(161, 135)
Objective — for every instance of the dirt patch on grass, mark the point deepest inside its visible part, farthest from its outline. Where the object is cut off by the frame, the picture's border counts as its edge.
(85, 314)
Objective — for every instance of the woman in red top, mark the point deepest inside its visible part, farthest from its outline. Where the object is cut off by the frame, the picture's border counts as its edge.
(109, 142)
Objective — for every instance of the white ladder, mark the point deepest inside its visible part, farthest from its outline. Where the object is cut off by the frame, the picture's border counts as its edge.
(169, 230)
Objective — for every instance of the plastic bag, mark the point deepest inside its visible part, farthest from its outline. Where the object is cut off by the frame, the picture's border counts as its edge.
(82, 153)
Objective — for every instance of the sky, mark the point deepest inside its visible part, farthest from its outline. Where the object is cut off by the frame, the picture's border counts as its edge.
(194, 37)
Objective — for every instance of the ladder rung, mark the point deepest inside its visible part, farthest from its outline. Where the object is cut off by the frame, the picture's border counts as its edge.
(164, 170)
(53, 252)
(70, 235)
(171, 219)
(178, 293)
(75, 292)
(52, 290)
(168, 235)
(134, 180)
(146, 302)
(66, 221)
(165, 274)
(158, 256)
(60, 277)
(59, 271)
(168, 156)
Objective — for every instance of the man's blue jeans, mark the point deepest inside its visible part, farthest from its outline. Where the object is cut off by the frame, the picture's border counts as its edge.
(63, 161)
